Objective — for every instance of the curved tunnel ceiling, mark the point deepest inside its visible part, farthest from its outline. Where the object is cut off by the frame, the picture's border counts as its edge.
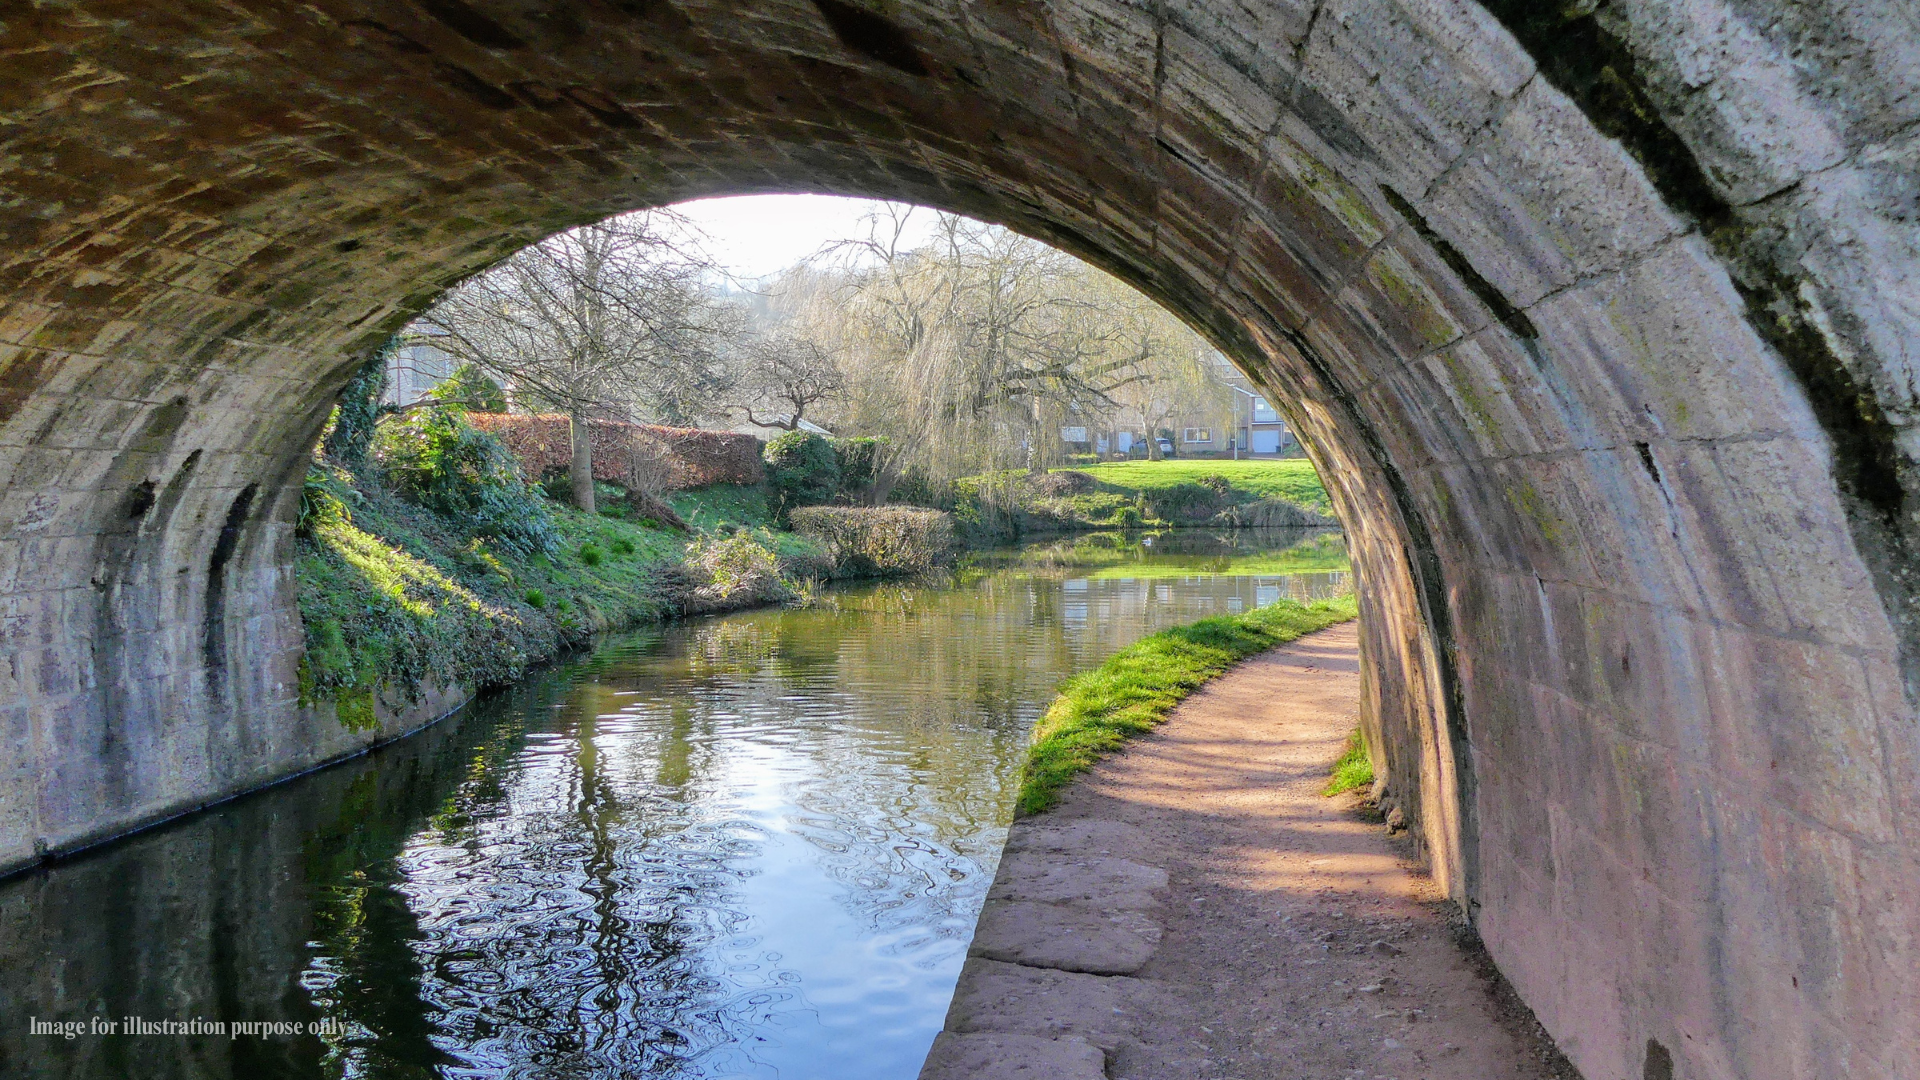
(1597, 324)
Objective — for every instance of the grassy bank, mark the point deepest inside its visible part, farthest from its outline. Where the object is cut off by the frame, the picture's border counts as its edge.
(395, 596)
(1139, 556)
(1001, 506)
(1292, 479)
(1138, 686)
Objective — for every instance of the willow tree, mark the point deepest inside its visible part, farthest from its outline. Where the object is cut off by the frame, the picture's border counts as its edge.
(970, 350)
(614, 318)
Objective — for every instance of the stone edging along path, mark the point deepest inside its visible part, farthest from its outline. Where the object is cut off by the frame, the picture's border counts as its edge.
(1194, 909)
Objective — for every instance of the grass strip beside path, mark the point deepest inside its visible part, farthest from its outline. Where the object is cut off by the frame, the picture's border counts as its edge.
(1138, 686)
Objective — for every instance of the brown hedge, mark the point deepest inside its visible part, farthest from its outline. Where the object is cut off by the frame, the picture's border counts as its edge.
(669, 458)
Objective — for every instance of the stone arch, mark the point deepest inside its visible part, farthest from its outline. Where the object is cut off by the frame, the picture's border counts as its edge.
(1599, 323)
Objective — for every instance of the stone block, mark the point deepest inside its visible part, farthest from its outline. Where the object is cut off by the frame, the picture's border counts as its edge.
(1012, 1057)
(1069, 938)
(1096, 883)
(1042, 1003)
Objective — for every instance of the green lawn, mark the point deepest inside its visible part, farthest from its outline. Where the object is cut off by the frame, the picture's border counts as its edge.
(1292, 479)
(738, 504)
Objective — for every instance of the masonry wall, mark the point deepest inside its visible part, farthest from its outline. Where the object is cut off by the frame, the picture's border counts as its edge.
(1599, 324)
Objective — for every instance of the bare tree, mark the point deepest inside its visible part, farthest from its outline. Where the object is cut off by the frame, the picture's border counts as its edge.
(615, 317)
(786, 371)
(972, 350)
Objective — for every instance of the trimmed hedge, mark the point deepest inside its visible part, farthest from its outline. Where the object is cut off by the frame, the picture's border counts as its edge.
(693, 457)
(868, 541)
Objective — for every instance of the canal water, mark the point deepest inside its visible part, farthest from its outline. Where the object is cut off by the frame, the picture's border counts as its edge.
(752, 845)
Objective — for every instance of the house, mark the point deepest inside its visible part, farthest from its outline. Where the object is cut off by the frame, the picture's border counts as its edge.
(1243, 424)
(416, 367)
(1258, 429)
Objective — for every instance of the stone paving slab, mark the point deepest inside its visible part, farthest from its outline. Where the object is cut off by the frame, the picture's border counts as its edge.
(1066, 937)
(1100, 884)
(1014, 999)
(1012, 1057)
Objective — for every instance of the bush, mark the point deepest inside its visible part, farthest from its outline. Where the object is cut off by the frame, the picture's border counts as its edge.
(623, 547)
(860, 467)
(321, 504)
(1065, 482)
(591, 555)
(879, 540)
(1216, 483)
(470, 388)
(536, 598)
(802, 469)
(738, 570)
(1187, 501)
(438, 460)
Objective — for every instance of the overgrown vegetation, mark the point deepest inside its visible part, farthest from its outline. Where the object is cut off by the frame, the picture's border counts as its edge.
(869, 541)
(1132, 693)
(1353, 770)
(441, 462)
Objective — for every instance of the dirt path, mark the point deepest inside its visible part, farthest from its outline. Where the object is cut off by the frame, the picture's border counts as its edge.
(1196, 910)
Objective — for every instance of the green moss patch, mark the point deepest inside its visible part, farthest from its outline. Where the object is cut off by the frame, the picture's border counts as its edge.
(1132, 693)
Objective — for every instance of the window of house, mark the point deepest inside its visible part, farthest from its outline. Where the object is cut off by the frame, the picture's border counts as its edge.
(1199, 435)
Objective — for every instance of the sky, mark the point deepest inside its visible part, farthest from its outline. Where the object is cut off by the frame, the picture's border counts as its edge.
(757, 235)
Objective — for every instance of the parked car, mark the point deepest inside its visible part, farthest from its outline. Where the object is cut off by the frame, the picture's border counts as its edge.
(1166, 447)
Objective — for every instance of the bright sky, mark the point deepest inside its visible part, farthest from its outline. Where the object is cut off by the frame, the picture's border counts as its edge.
(757, 235)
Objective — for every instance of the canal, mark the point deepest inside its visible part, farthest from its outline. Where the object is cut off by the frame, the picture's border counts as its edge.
(751, 845)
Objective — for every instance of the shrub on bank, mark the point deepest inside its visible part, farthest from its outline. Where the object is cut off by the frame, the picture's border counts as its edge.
(866, 541)
(1190, 502)
(1272, 514)
(440, 461)
(802, 470)
(739, 570)
(1138, 686)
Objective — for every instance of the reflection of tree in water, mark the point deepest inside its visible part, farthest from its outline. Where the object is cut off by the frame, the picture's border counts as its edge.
(557, 915)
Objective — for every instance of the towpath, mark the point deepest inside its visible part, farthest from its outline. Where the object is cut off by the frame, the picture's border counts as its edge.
(1195, 910)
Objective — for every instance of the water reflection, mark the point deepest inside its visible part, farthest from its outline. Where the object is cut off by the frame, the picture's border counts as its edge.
(746, 846)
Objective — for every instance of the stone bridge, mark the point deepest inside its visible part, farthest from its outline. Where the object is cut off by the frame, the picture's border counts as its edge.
(1600, 318)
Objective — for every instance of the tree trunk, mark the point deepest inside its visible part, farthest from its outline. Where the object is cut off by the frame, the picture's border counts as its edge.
(582, 471)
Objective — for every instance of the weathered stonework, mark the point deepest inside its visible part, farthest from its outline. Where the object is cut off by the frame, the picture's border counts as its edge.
(1602, 330)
